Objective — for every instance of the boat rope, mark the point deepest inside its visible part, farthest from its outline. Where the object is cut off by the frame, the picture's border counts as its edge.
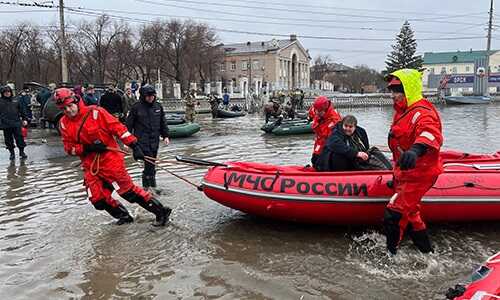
(226, 185)
(155, 161)
(275, 178)
(148, 159)
(95, 165)
(469, 185)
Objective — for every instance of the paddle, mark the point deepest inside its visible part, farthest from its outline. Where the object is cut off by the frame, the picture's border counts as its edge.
(197, 161)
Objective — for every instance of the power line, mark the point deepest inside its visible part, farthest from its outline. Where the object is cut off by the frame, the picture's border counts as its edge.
(257, 22)
(350, 50)
(433, 20)
(287, 4)
(25, 11)
(76, 11)
(282, 9)
(298, 35)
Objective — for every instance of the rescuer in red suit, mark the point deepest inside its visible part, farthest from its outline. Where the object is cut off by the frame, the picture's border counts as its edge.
(89, 132)
(325, 117)
(415, 140)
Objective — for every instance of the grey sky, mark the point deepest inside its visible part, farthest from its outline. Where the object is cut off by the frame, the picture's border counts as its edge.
(378, 20)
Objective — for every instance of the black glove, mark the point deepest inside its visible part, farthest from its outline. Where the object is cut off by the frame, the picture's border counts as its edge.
(97, 146)
(137, 151)
(408, 159)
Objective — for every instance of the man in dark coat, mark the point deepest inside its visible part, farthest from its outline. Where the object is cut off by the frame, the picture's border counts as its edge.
(113, 103)
(12, 117)
(346, 146)
(25, 103)
(146, 120)
(89, 98)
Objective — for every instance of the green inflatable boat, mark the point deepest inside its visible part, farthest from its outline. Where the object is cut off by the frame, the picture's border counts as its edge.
(288, 127)
(183, 130)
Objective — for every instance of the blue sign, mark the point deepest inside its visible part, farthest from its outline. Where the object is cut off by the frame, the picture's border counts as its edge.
(457, 79)
(494, 78)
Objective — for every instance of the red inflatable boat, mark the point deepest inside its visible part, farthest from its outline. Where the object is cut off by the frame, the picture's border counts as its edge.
(468, 190)
(485, 283)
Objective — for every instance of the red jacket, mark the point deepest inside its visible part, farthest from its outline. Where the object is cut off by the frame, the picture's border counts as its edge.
(100, 125)
(419, 123)
(322, 127)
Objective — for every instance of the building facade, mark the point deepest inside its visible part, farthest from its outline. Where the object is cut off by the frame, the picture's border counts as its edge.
(265, 65)
(460, 72)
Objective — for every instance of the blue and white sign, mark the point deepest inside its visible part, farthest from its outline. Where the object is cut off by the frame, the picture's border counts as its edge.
(457, 79)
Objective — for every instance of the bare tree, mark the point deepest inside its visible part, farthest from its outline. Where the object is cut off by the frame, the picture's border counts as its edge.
(95, 39)
(103, 51)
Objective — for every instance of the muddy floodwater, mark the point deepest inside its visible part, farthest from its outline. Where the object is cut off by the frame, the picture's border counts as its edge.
(55, 245)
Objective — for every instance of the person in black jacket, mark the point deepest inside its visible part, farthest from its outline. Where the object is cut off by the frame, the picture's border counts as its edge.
(345, 148)
(12, 117)
(146, 120)
(113, 103)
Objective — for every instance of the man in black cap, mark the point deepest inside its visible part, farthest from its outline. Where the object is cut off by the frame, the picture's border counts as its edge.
(12, 117)
(146, 120)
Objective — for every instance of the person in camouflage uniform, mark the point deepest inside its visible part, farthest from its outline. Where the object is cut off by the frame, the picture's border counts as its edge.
(214, 104)
(190, 106)
(294, 102)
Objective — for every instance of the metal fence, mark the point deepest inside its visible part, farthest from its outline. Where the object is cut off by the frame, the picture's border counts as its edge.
(339, 100)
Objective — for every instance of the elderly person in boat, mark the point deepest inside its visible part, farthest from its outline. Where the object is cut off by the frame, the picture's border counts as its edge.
(345, 148)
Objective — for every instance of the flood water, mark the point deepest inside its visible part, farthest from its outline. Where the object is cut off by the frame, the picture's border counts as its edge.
(54, 245)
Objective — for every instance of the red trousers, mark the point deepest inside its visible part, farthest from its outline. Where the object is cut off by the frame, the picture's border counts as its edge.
(100, 186)
(407, 200)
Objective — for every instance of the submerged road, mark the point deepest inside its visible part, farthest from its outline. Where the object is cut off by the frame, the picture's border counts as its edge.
(54, 245)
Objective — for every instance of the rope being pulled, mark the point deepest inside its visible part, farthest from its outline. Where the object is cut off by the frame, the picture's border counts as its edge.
(151, 160)
(155, 161)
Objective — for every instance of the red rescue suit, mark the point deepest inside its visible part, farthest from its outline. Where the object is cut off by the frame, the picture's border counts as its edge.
(418, 124)
(103, 172)
(322, 127)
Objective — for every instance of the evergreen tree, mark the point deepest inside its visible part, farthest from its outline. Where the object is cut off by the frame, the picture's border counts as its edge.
(403, 53)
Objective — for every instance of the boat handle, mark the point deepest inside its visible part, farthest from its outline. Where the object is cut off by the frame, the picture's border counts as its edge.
(225, 181)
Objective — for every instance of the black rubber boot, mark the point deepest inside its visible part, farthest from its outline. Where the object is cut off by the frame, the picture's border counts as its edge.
(145, 181)
(421, 240)
(12, 154)
(392, 230)
(161, 212)
(22, 155)
(120, 213)
(152, 181)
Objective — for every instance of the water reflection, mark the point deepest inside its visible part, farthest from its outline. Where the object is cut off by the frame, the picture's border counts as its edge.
(55, 245)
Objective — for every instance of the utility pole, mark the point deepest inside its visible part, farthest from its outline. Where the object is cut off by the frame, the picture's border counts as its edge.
(64, 63)
(488, 50)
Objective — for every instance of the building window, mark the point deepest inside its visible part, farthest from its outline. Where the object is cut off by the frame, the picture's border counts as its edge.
(223, 66)
(431, 70)
(467, 69)
(255, 64)
(443, 70)
(233, 66)
(454, 70)
(244, 65)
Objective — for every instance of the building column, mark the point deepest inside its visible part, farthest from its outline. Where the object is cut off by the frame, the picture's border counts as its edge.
(192, 86)
(218, 85)
(177, 91)
(207, 88)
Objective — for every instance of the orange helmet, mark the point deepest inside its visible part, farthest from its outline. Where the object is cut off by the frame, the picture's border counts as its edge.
(64, 97)
(321, 103)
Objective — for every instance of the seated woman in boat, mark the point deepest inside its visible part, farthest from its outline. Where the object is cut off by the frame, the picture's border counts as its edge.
(345, 147)
(325, 117)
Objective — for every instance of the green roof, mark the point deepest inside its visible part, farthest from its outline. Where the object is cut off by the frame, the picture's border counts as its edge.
(453, 57)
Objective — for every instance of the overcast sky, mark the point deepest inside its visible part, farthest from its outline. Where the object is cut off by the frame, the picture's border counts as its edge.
(326, 26)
